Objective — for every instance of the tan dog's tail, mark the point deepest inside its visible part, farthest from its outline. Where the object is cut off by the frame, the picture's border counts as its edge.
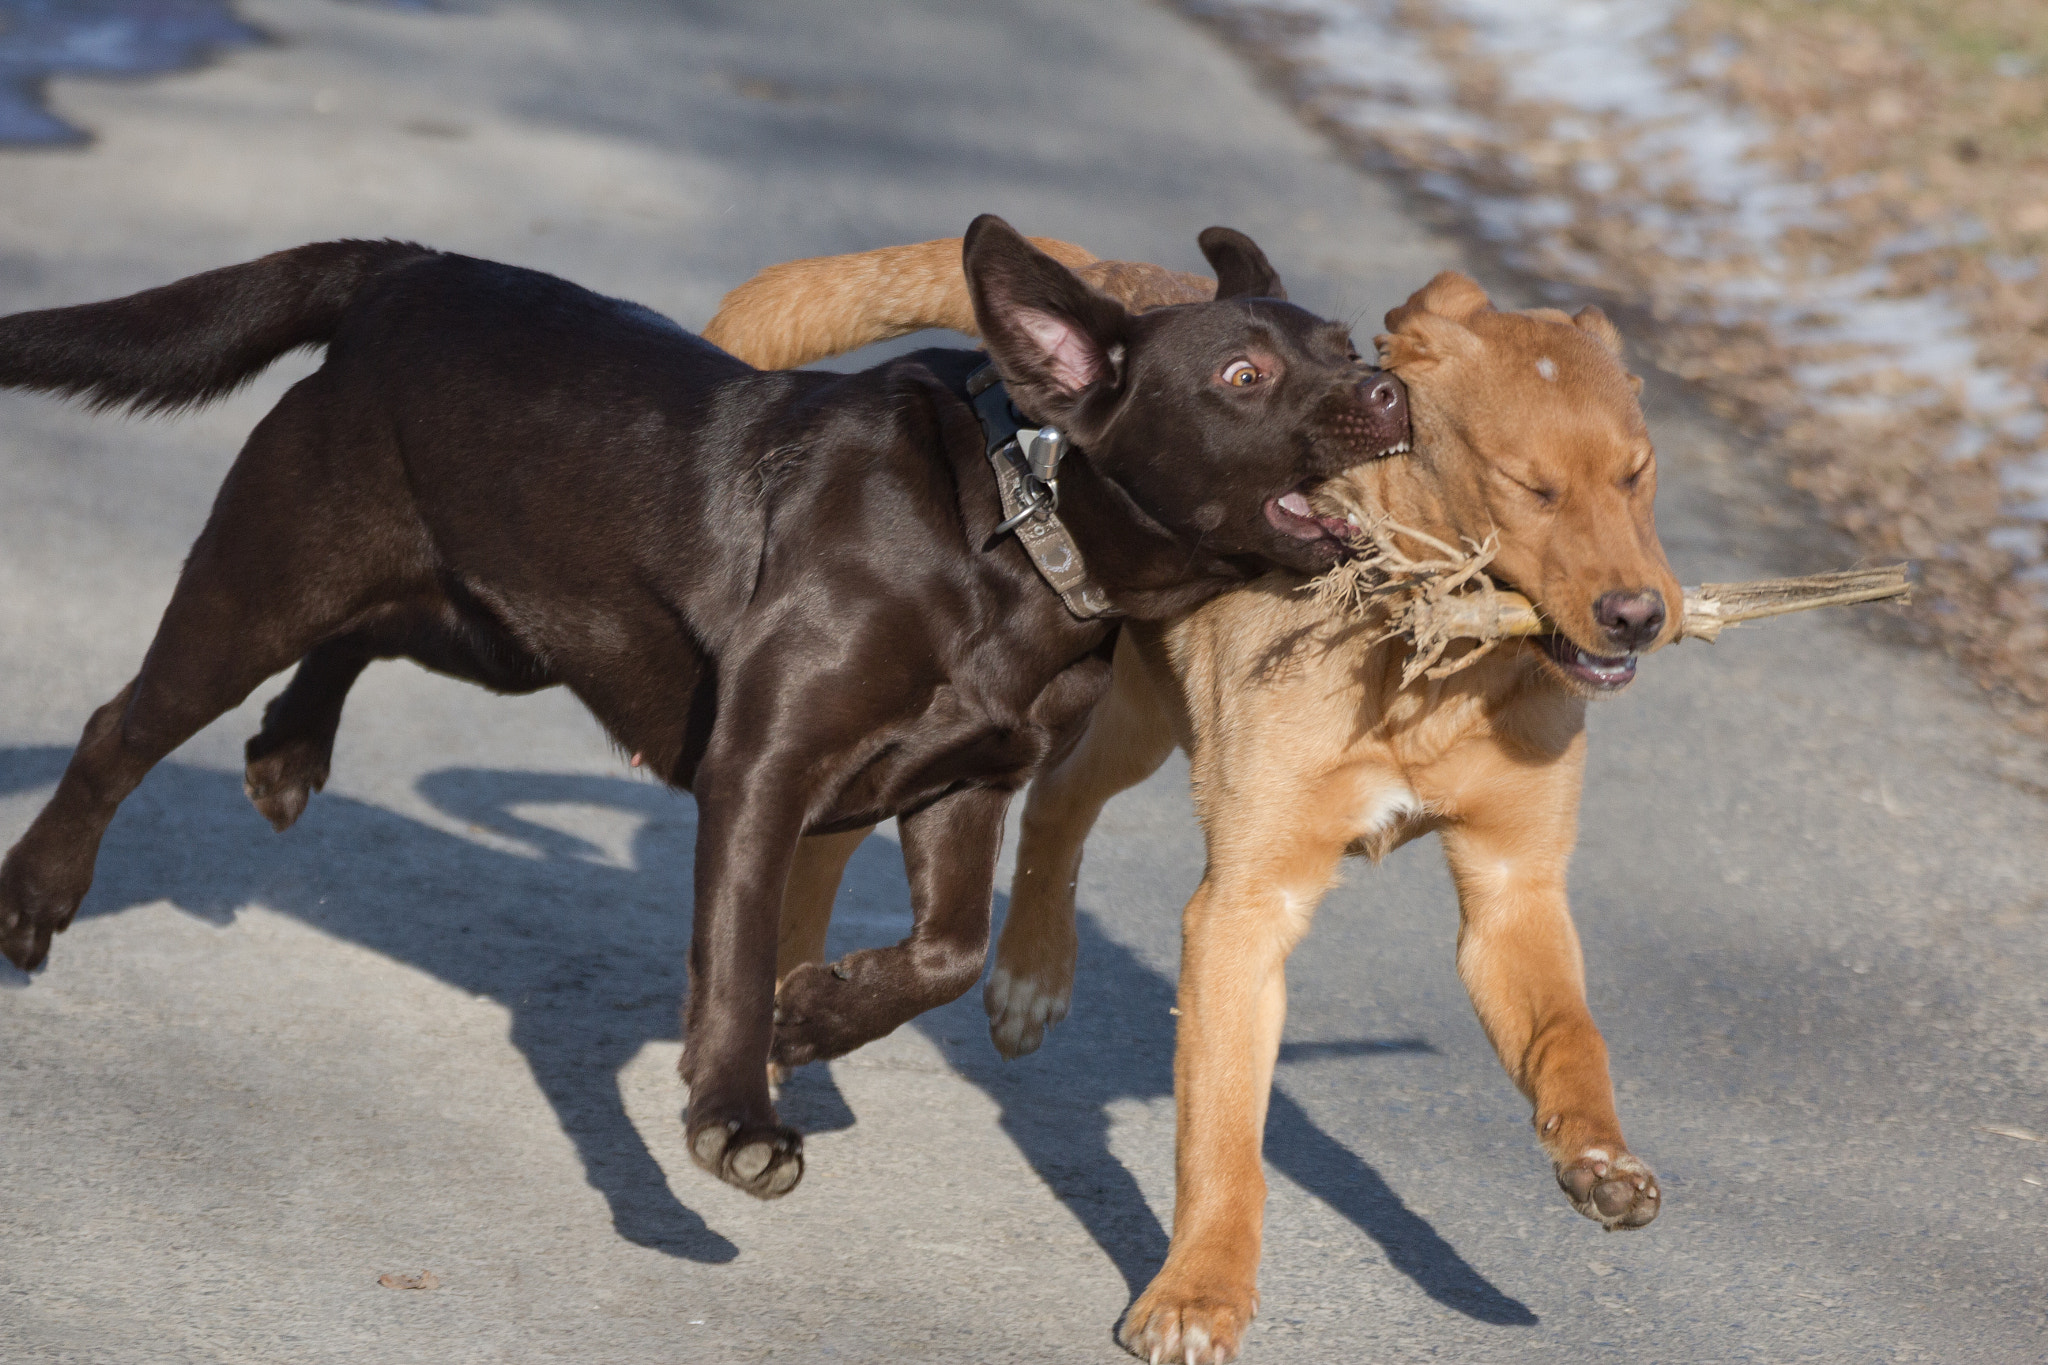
(800, 311)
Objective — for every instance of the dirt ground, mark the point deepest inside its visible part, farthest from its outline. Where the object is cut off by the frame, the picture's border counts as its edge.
(1937, 113)
(1920, 129)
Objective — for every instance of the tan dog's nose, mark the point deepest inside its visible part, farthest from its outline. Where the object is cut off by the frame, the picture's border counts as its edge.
(1631, 619)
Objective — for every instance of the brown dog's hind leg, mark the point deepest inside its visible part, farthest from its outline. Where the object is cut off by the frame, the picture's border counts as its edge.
(309, 525)
(224, 632)
(1125, 739)
(288, 758)
(1519, 957)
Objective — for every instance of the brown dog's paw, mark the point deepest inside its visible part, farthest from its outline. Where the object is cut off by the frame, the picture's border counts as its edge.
(818, 1014)
(1025, 1001)
(764, 1159)
(281, 782)
(34, 906)
(1611, 1187)
(1170, 1326)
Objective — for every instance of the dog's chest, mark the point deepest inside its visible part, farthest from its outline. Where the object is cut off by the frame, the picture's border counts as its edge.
(1385, 815)
(969, 735)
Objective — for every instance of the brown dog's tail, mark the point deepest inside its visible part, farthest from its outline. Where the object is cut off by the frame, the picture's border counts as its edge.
(800, 311)
(199, 339)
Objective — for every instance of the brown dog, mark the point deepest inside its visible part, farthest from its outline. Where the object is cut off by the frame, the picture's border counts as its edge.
(1305, 746)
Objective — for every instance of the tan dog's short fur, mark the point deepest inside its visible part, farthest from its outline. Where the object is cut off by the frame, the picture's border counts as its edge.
(1304, 747)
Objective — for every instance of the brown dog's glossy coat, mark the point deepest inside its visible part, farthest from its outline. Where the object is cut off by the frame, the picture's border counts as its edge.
(1304, 747)
(781, 589)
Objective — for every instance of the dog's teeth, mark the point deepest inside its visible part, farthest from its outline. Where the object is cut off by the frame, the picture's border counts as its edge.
(1296, 504)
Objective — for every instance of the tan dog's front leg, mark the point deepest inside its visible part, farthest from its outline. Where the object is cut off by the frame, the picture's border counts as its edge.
(1127, 737)
(1236, 935)
(1519, 956)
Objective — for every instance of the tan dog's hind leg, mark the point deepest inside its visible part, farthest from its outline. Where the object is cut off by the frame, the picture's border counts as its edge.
(1128, 736)
(814, 879)
(1519, 956)
(1236, 935)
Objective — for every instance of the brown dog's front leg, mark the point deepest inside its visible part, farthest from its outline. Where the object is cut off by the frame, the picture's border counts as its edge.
(747, 833)
(1519, 956)
(949, 850)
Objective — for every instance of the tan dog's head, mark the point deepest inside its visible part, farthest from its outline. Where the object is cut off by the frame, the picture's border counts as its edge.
(1527, 427)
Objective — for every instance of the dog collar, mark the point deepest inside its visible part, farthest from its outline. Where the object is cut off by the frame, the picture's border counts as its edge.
(1026, 462)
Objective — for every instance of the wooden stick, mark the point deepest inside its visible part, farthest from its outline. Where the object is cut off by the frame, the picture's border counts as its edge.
(1709, 609)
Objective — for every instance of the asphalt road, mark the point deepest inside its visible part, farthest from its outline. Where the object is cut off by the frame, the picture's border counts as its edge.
(433, 1027)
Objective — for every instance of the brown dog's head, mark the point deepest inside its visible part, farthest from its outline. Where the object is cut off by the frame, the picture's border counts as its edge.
(1216, 419)
(1527, 426)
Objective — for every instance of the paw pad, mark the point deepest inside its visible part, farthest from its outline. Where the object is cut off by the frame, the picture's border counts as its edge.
(1614, 1189)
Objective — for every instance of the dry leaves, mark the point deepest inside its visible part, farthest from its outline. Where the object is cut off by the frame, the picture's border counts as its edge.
(426, 1279)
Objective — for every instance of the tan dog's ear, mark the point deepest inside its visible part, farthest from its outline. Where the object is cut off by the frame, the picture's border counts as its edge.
(1425, 339)
(1594, 323)
(1449, 295)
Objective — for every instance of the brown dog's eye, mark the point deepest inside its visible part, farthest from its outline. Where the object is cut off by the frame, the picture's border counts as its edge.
(1241, 374)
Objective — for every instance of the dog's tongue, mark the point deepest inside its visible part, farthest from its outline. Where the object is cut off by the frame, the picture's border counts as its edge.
(1291, 513)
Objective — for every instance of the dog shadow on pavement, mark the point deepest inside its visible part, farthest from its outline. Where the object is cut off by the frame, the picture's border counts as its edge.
(1118, 1045)
(587, 951)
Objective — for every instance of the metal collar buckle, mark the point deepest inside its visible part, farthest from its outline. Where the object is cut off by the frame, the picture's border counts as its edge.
(1026, 463)
(1041, 474)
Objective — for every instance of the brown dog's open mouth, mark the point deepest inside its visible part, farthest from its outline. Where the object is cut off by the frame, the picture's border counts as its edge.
(1291, 515)
(1600, 672)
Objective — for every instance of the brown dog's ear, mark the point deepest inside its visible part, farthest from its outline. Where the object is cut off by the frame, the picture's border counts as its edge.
(1449, 295)
(1594, 324)
(1053, 339)
(1242, 270)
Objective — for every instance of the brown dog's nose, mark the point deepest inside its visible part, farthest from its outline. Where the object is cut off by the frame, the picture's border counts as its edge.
(1631, 619)
(1384, 396)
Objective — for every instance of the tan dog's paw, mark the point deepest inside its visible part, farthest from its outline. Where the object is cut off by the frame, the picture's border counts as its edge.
(1022, 1007)
(1611, 1187)
(1170, 1326)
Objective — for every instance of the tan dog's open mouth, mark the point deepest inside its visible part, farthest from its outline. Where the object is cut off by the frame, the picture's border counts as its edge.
(1599, 672)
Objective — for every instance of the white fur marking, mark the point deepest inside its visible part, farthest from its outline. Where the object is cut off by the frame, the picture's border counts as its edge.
(1387, 808)
(1547, 367)
(1020, 1010)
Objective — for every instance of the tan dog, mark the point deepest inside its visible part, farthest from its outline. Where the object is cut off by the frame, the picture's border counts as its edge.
(1305, 746)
